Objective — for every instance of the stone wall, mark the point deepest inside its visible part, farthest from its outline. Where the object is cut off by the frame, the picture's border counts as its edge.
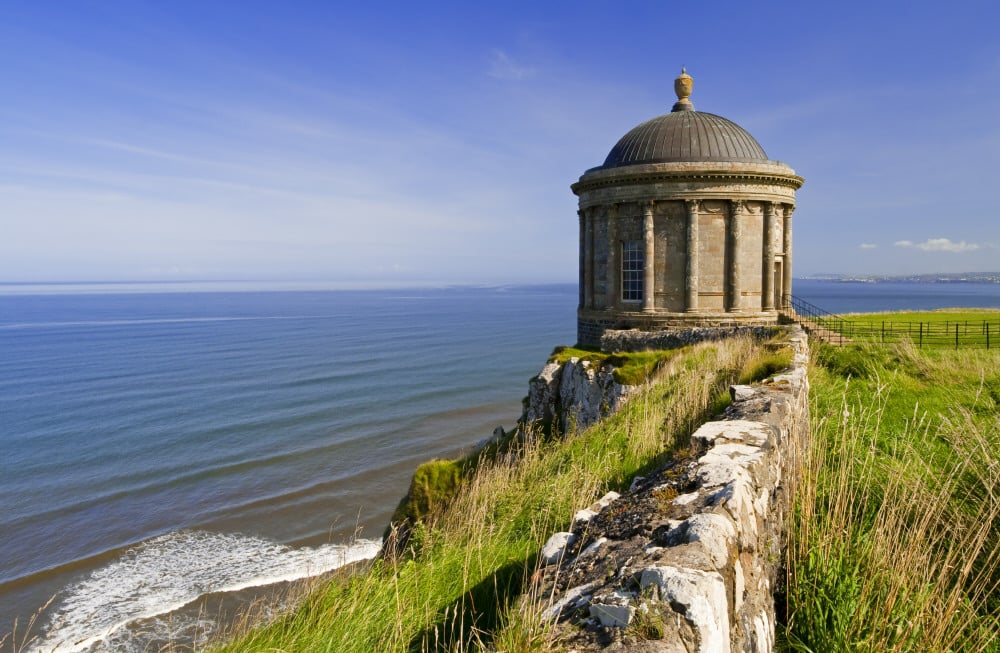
(639, 340)
(688, 559)
(592, 326)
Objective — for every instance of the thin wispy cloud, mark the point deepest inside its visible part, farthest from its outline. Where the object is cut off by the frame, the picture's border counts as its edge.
(868, 246)
(503, 66)
(941, 245)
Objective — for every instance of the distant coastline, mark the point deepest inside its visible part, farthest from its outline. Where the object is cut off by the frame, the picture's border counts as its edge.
(946, 277)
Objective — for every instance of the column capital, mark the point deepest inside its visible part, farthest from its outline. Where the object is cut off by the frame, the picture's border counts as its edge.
(771, 209)
(693, 205)
(738, 206)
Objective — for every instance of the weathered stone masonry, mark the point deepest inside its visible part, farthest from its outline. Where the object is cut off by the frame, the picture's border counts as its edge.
(700, 573)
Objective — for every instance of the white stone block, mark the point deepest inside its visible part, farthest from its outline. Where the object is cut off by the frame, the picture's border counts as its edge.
(716, 533)
(739, 586)
(614, 609)
(573, 597)
(703, 595)
(555, 547)
(614, 616)
(685, 499)
(584, 516)
(756, 433)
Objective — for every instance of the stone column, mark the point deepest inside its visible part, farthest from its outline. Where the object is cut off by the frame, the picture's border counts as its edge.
(649, 279)
(583, 258)
(613, 246)
(588, 258)
(767, 278)
(733, 274)
(786, 268)
(691, 265)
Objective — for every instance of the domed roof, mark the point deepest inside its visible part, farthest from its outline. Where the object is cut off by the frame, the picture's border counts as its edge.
(685, 135)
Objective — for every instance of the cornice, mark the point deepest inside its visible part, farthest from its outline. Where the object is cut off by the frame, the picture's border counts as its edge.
(774, 173)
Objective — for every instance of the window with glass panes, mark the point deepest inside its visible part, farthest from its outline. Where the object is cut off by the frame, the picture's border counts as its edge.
(633, 266)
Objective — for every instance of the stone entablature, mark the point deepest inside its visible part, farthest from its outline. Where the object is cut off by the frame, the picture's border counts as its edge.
(771, 180)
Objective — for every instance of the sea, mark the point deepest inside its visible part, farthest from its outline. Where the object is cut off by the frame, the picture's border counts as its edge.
(172, 452)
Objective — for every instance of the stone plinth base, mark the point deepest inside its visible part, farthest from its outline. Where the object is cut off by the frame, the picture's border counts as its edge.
(592, 325)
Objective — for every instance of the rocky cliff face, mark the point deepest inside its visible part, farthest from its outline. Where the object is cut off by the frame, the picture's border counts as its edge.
(574, 394)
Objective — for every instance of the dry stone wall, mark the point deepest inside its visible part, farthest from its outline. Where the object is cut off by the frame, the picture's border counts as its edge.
(689, 558)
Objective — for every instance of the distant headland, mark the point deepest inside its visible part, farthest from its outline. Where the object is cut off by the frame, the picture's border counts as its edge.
(938, 277)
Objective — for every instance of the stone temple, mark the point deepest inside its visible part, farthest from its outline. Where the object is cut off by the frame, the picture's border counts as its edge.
(687, 223)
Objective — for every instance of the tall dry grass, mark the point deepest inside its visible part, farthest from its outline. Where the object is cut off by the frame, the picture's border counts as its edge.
(895, 544)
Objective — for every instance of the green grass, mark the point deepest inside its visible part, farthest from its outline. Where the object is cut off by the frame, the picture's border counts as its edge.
(895, 543)
(940, 315)
(461, 586)
(767, 365)
(631, 368)
(973, 327)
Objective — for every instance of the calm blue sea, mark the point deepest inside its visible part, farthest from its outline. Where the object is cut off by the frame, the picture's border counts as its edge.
(162, 443)
(860, 297)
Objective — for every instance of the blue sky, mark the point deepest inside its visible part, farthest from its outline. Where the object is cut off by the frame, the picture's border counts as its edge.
(436, 142)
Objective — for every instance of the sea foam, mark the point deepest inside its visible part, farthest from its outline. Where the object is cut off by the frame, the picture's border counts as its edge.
(166, 573)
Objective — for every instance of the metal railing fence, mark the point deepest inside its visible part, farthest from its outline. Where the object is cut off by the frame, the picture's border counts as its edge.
(946, 333)
(938, 333)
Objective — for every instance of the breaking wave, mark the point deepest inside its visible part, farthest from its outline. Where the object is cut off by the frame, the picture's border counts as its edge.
(166, 573)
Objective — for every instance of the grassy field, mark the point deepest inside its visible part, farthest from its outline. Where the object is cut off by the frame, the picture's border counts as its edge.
(942, 328)
(458, 585)
(896, 541)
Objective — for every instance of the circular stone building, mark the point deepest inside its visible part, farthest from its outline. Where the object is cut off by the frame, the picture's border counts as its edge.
(687, 223)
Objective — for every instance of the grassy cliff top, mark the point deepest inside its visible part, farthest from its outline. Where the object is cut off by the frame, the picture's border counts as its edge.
(457, 586)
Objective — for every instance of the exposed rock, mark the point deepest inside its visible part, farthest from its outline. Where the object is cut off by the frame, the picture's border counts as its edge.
(741, 392)
(574, 394)
(568, 602)
(583, 517)
(702, 597)
(543, 391)
(613, 610)
(716, 532)
(555, 547)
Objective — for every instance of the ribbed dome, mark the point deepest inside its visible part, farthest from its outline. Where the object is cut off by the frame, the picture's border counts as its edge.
(685, 135)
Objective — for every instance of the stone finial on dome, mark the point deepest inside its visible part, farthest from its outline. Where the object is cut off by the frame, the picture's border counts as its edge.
(682, 87)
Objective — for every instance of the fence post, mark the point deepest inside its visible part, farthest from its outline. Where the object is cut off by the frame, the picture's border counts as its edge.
(956, 335)
(883, 331)
(921, 345)
(987, 335)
